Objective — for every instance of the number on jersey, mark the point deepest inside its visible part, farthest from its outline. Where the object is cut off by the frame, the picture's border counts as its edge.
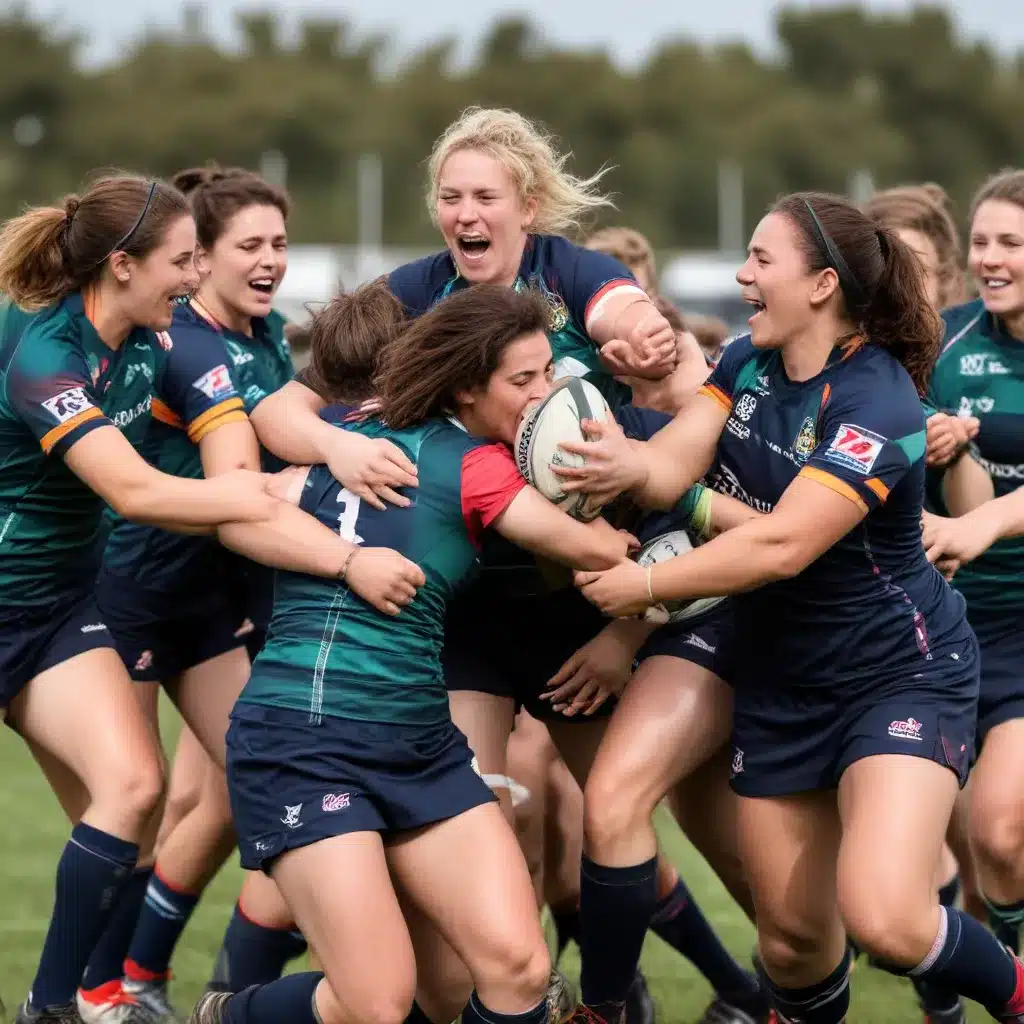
(348, 516)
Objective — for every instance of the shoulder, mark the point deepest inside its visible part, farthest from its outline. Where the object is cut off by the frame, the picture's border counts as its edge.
(873, 384)
(739, 358)
(45, 341)
(960, 321)
(418, 283)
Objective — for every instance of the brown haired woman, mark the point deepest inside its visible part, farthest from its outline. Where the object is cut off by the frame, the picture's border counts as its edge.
(345, 723)
(980, 373)
(856, 682)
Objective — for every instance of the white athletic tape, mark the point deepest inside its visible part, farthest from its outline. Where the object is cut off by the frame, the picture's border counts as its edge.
(519, 793)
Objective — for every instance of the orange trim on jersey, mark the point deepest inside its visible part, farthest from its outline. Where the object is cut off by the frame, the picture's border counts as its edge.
(196, 434)
(51, 437)
(197, 428)
(876, 485)
(833, 483)
(717, 394)
(165, 414)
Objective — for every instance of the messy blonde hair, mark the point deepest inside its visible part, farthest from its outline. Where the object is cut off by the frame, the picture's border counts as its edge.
(529, 156)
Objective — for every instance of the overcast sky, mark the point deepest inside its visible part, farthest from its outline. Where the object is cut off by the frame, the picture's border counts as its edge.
(628, 30)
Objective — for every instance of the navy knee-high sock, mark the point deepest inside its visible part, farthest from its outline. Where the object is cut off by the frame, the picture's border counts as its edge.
(93, 870)
(616, 905)
(291, 999)
(679, 922)
(476, 1013)
(252, 954)
(935, 998)
(107, 960)
(967, 958)
(825, 1002)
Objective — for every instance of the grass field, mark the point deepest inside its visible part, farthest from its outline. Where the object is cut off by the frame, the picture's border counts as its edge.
(34, 831)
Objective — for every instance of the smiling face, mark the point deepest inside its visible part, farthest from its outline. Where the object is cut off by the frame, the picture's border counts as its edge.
(777, 283)
(522, 379)
(244, 268)
(155, 283)
(996, 257)
(482, 218)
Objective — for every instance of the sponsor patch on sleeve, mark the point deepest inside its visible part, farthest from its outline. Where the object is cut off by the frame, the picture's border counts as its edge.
(855, 448)
(68, 404)
(215, 383)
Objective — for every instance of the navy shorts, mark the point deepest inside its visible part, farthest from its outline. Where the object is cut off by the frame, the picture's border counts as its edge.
(293, 782)
(511, 645)
(788, 741)
(31, 643)
(708, 643)
(1001, 641)
(160, 634)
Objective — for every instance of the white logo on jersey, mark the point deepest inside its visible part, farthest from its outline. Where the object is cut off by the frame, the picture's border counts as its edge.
(68, 404)
(291, 816)
(215, 383)
(761, 387)
(855, 448)
(725, 481)
(972, 365)
(126, 416)
(239, 356)
(996, 367)
(969, 406)
(745, 407)
(1002, 470)
(737, 429)
(94, 627)
(695, 641)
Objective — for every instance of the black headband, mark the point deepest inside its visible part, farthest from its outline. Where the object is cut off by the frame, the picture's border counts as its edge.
(135, 227)
(853, 291)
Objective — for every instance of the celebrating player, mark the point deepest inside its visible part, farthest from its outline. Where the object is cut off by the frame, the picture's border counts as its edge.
(871, 667)
(981, 374)
(343, 760)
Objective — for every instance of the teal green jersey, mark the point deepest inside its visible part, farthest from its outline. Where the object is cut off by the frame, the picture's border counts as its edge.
(980, 372)
(328, 652)
(59, 382)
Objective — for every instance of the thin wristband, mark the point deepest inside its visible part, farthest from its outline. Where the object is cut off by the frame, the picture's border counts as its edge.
(650, 592)
(343, 571)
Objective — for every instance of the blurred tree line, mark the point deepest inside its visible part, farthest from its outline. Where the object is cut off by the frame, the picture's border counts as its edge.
(899, 95)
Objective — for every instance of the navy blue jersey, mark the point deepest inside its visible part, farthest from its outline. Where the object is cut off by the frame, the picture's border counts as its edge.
(871, 608)
(194, 395)
(575, 281)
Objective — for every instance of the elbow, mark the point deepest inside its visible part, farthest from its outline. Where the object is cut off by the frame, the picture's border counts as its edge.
(134, 503)
(786, 559)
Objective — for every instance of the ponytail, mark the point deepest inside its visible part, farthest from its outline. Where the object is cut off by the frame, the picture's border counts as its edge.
(898, 316)
(33, 257)
(880, 278)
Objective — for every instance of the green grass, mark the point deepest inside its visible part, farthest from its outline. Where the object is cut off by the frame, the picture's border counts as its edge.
(34, 831)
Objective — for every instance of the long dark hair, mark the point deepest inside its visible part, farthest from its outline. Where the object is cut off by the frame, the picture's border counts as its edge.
(879, 276)
(454, 347)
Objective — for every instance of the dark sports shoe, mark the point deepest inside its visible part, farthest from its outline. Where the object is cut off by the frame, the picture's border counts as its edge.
(586, 1015)
(639, 1004)
(48, 1015)
(152, 997)
(211, 1009)
(561, 997)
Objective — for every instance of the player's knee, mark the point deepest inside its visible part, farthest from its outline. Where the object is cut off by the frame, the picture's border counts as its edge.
(612, 808)
(519, 968)
(788, 947)
(132, 791)
(893, 930)
(388, 1003)
(997, 837)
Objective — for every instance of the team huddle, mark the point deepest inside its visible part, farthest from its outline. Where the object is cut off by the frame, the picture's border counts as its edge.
(522, 554)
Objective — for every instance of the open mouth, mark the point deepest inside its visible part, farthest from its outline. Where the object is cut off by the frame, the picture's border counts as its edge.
(473, 247)
(263, 285)
(995, 283)
(179, 299)
(759, 308)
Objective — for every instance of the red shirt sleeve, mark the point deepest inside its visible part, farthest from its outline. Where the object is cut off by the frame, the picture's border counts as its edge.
(490, 480)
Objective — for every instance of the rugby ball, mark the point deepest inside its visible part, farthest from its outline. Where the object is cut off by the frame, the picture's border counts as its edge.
(661, 549)
(545, 427)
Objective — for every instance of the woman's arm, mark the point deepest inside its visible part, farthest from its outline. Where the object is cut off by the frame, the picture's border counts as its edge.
(105, 461)
(288, 424)
(966, 485)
